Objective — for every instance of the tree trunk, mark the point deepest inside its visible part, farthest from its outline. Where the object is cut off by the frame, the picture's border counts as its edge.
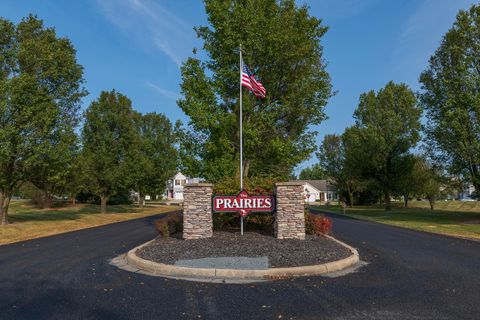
(405, 200)
(246, 168)
(103, 204)
(431, 201)
(47, 200)
(4, 203)
(388, 203)
(141, 200)
(74, 199)
(350, 198)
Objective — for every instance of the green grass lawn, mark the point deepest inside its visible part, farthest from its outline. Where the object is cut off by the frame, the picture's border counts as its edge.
(455, 218)
(28, 222)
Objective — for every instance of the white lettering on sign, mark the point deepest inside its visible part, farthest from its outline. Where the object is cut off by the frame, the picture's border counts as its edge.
(243, 203)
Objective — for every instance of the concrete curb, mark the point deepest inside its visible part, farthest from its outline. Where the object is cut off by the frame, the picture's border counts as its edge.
(161, 269)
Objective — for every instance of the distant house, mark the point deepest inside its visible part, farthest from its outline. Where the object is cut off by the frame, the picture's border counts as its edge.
(174, 190)
(319, 190)
(465, 193)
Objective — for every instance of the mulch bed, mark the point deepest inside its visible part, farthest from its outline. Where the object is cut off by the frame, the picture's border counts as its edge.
(280, 253)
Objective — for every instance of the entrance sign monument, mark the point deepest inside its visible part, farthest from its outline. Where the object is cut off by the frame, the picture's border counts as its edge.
(243, 203)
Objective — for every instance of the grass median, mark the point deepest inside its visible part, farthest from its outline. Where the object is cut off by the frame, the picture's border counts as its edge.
(29, 222)
(454, 218)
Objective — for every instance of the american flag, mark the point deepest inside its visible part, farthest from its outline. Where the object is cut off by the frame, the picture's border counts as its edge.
(249, 81)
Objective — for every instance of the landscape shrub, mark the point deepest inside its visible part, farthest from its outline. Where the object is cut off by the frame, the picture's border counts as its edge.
(262, 221)
(317, 224)
(169, 224)
(254, 221)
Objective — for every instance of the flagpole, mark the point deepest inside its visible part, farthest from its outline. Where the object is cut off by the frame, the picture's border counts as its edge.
(241, 136)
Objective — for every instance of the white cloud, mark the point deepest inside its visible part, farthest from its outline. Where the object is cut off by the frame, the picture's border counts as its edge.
(150, 25)
(164, 92)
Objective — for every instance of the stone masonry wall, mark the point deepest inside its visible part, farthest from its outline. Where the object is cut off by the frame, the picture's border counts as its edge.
(290, 217)
(197, 211)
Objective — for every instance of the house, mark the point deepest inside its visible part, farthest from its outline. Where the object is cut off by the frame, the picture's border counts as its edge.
(319, 190)
(466, 192)
(174, 190)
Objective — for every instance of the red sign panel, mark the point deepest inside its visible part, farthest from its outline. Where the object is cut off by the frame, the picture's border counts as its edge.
(243, 203)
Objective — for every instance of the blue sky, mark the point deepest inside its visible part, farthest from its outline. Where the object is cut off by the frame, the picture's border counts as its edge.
(137, 46)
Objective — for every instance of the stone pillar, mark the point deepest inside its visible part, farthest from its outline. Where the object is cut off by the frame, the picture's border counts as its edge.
(197, 211)
(290, 216)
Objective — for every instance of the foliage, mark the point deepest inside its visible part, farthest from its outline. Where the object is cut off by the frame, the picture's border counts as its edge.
(387, 127)
(315, 172)
(40, 92)
(31, 192)
(430, 181)
(451, 98)
(156, 157)
(254, 221)
(340, 170)
(110, 145)
(281, 44)
(317, 224)
(253, 185)
(169, 224)
(55, 173)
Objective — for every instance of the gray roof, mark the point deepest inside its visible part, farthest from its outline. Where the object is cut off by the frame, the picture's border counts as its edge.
(321, 185)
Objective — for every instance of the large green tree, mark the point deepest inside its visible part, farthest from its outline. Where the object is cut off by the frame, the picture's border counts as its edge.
(314, 172)
(53, 174)
(110, 142)
(386, 129)
(451, 98)
(157, 157)
(281, 44)
(340, 170)
(40, 92)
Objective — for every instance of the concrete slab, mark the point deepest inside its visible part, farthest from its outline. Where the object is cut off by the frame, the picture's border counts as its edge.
(241, 263)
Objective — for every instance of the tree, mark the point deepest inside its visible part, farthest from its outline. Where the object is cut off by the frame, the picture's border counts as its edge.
(281, 44)
(429, 180)
(386, 128)
(410, 184)
(332, 155)
(53, 174)
(157, 156)
(315, 172)
(451, 98)
(110, 146)
(40, 92)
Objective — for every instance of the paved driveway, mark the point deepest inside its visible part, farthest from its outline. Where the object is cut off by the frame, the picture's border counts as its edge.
(410, 275)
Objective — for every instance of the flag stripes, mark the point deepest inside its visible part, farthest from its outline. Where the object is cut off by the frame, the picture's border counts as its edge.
(249, 81)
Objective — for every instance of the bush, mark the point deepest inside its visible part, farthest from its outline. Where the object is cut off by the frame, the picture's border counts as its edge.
(317, 225)
(253, 185)
(169, 224)
(254, 221)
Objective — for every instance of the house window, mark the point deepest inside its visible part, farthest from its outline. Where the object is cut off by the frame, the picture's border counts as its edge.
(180, 182)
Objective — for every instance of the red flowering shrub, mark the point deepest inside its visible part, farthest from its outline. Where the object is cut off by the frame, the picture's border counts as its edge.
(318, 225)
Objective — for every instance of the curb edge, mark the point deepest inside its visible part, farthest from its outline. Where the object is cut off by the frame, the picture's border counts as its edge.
(161, 269)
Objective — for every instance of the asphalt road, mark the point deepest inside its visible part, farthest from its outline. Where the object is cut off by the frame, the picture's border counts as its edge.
(410, 275)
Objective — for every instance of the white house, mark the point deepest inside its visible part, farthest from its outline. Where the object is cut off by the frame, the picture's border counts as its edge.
(319, 190)
(175, 185)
